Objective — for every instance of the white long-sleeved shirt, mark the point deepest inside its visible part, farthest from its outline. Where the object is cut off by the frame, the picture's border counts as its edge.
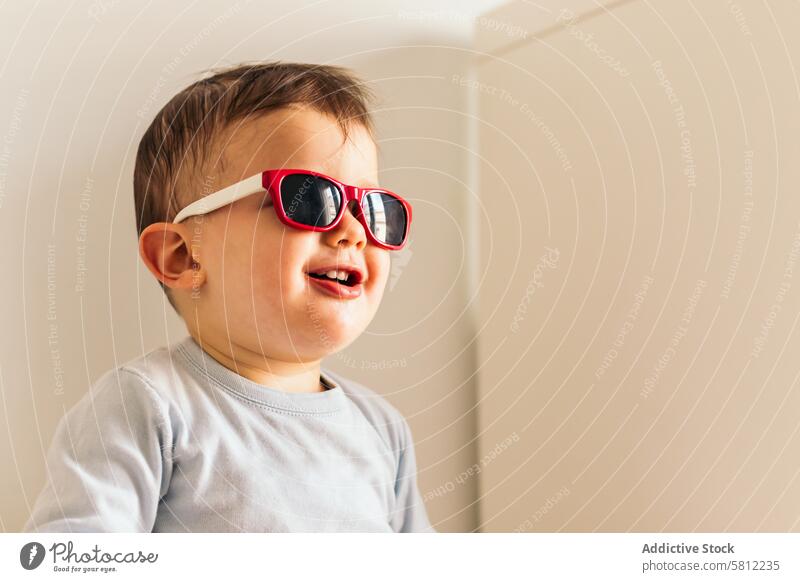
(175, 441)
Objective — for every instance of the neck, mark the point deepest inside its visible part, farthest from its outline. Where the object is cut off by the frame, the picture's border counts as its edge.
(260, 368)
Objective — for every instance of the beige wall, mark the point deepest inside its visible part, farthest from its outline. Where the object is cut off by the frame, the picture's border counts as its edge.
(80, 84)
(642, 374)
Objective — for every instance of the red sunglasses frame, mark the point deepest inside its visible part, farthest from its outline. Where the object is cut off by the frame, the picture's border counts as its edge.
(271, 181)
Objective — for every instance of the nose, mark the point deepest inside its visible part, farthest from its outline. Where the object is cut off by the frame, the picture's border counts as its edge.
(349, 231)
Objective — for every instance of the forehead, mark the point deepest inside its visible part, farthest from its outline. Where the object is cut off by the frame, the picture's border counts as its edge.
(300, 137)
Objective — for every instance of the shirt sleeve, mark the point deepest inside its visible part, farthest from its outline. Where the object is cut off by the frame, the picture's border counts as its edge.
(410, 514)
(109, 462)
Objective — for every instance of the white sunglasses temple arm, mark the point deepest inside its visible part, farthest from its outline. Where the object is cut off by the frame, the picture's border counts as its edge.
(222, 197)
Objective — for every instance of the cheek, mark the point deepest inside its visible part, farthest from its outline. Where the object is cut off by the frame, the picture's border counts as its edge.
(375, 287)
(247, 266)
(382, 265)
(275, 263)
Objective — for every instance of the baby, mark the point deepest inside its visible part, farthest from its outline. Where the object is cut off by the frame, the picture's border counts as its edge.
(260, 215)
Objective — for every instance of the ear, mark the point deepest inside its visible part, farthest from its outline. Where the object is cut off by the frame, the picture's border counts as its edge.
(166, 250)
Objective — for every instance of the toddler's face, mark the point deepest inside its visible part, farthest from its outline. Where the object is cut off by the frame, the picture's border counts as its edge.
(256, 292)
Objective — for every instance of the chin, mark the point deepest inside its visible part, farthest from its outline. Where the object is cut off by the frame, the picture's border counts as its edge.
(336, 337)
(330, 332)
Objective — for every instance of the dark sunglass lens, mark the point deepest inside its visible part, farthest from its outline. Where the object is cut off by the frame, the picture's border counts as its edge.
(386, 217)
(310, 200)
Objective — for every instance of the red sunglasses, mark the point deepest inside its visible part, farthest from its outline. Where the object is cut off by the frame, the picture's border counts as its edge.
(309, 200)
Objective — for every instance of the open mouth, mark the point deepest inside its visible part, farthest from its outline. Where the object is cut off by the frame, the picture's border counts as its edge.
(349, 280)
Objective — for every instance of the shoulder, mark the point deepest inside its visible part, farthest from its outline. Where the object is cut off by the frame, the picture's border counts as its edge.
(164, 372)
(151, 368)
(382, 414)
(137, 387)
(119, 405)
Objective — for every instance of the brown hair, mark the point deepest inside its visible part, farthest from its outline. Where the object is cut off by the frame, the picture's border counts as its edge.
(173, 152)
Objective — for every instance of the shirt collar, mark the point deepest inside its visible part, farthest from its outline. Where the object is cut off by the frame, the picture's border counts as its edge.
(202, 364)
